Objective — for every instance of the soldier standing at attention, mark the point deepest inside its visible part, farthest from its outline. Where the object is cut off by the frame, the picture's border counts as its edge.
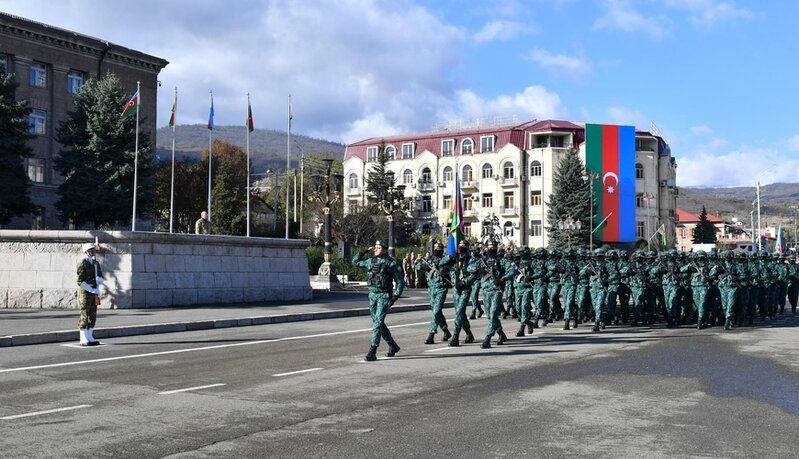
(89, 278)
(438, 283)
(407, 268)
(202, 225)
(386, 283)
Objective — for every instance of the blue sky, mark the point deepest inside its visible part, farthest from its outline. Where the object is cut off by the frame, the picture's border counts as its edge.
(715, 76)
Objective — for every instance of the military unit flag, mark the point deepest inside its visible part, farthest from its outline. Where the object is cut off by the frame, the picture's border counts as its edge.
(174, 111)
(455, 220)
(211, 114)
(610, 153)
(662, 233)
(250, 124)
(131, 107)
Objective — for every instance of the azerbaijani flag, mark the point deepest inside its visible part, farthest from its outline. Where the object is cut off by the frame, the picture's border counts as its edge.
(778, 244)
(662, 232)
(610, 152)
(174, 111)
(211, 114)
(131, 107)
(455, 219)
(250, 124)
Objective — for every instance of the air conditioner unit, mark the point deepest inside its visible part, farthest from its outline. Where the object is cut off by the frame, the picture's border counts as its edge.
(516, 225)
(496, 177)
(663, 183)
(475, 197)
(413, 185)
(441, 184)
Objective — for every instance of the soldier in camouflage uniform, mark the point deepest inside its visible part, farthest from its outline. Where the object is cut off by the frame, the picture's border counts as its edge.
(538, 272)
(386, 283)
(624, 291)
(793, 283)
(596, 270)
(782, 282)
(634, 274)
(726, 273)
(437, 269)
(553, 287)
(90, 277)
(700, 284)
(569, 278)
(493, 277)
(614, 283)
(474, 297)
(523, 290)
(463, 277)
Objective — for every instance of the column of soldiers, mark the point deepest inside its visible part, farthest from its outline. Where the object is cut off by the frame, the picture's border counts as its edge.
(602, 287)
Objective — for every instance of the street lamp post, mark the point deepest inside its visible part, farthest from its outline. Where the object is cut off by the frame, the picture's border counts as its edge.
(390, 200)
(590, 177)
(327, 190)
(569, 226)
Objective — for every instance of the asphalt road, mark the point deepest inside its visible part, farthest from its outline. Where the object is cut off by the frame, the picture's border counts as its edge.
(302, 390)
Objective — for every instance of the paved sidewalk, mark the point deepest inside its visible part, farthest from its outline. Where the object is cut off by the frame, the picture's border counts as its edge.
(20, 327)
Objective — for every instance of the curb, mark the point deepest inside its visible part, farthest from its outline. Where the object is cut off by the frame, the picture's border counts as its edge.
(60, 336)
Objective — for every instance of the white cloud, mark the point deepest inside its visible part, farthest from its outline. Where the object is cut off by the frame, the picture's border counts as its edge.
(619, 14)
(576, 66)
(740, 167)
(701, 130)
(502, 30)
(707, 13)
(534, 102)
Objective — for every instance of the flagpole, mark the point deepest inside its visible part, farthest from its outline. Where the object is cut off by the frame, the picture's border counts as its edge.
(295, 195)
(210, 130)
(288, 164)
(172, 186)
(302, 183)
(247, 129)
(136, 159)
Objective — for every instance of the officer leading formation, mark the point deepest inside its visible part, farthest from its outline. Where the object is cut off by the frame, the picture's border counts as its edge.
(604, 287)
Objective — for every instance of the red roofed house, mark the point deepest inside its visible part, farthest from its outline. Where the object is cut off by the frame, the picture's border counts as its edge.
(505, 171)
(687, 221)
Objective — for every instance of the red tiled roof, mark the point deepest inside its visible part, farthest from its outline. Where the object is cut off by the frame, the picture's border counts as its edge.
(683, 216)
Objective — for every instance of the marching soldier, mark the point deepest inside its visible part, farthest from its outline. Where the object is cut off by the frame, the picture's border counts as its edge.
(492, 281)
(474, 297)
(90, 276)
(463, 278)
(438, 269)
(523, 291)
(539, 272)
(793, 283)
(386, 283)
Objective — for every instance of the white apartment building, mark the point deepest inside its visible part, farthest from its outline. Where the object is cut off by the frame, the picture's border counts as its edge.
(505, 171)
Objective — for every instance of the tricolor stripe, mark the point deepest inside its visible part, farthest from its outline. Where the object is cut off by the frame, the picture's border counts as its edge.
(610, 152)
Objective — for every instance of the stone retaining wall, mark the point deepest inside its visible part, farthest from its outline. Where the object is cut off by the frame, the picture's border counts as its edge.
(37, 269)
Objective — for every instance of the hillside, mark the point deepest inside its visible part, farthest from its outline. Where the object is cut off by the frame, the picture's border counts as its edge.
(778, 202)
(267, 146)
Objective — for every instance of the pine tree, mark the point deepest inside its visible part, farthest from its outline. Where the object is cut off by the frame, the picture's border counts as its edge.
(570, 198)
(228, 195)
(14, 183)
(705, 231)
(378, 178)
(97, 159)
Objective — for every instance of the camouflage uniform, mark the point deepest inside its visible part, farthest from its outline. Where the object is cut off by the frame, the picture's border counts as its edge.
(438, 269)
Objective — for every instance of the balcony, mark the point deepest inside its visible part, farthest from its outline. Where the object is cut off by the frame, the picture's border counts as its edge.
(508, 181)
(469, 213)
(469, 184)
(426, 186)
(509, 211)
(354, 191)
(424, 214)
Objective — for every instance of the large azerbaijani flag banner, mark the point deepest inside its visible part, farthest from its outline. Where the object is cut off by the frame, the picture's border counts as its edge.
(455, 220)
(610, 156)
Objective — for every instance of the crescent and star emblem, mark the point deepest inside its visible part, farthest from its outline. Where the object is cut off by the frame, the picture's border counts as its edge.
(610, 188)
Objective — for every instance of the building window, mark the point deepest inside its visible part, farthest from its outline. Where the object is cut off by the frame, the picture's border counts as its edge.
(468, 203)
(74, 81)
(682, 233)
(371, 154)
(535, 169)
(3, 63)
(447, 202)
(37, 122)
(486, 144)
(535, 228)
(639, 230)
(427, 176)
(508, 200)
(535, 198)
(488, 200)
(407, 151)
(38, 75)
(38, 219)
(488, 171)
(447, 147)
(427, 203)
(639, 171)
(407, 177)
(467, 229)
(507, 229)
(639, 200)
(391, 153)
(467, 146)
(467, 174)
(508, 171)
(447, 175)
(36, 170)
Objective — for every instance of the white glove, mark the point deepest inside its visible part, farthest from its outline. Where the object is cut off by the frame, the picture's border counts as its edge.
(96, 291)
(87, 287)
(102, 290)
(99, 280)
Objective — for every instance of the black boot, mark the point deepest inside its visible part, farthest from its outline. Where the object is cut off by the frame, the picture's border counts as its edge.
(469, 338)
(371, 356)
(595, 328)
(454, 341)
(447, 335)
(393, 348)
(473, 316)
(575, 323)
(728, 324)
(480, 312)
(529, 328)
(520, 333)
(566, 325)
(502, 338)
(430, 339)
(486, 344)
(535, 324)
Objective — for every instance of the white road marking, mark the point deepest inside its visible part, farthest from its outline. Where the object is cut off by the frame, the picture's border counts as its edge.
(37, 413)
(205, 348)
(190, 388)
(78, 346)
(297, 372)
(440, 349)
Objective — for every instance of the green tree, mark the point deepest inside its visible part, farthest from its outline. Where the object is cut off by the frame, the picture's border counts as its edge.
(97, 159)
(190, 193)
(705, 231)
(228, 193)
(378, 177)
(14, 183)
(570, 198)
